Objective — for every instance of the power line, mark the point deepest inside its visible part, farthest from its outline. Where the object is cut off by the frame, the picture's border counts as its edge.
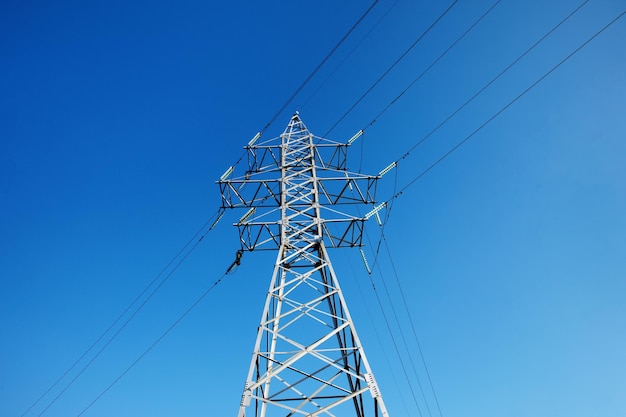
(397, 61)
(393, 197)
(397, 194)
(509, 104)
(395, 345)
(395, 315)
(473, 97)
(397, 322)
(319, 66)
(412, 83)
(494, 79)
(423, 359)
(388, 329)
(213, 219)
(297, 91)
(406, 307)
(359, 43)
(165, 333)
(378, 337)
(311, 75)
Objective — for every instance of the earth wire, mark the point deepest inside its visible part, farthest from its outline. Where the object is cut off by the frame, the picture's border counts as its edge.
(397, 61)
(509, 104)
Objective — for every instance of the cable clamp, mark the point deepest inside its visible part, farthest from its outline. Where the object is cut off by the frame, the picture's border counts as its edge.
(236, 262)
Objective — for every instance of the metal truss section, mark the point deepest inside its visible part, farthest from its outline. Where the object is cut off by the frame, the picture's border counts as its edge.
(304, 172)
(307, 359)
(328, 154)
(339, 233)
(343, 188)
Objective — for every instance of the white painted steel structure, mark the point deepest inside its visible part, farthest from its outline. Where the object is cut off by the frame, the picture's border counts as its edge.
(307, 359)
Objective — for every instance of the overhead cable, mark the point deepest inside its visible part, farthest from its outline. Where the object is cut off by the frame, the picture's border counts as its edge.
(509, 104)
(475, 95)
(165, 333)
(412, 83)
(306, 80)
(408, 313)
(319, 66)
(456, 147)
(397, 320)
(395, 345)
(374, 328)
(397, 61)
(213, 219)
(494, 79)
(358, 44)
(384, 315)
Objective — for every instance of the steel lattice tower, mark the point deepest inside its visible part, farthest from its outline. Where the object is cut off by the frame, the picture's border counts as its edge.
(307, 359)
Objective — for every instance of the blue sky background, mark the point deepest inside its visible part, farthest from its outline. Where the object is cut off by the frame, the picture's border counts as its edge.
(117, 117)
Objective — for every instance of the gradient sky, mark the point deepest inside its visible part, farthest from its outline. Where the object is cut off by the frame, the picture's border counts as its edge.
(117, 117)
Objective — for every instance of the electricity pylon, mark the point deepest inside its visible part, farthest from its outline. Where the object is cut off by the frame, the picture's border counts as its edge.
(307, 359)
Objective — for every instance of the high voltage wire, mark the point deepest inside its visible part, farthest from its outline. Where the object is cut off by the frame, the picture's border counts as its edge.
(213, 219)
(395, 316)
(395, 345)
(375, 263)
(412, 83)
(397, 320)
(156, 342)
(311, 75)
(416, 79)
(359, 43)
(432, 64)
(382, 236)
(378, 338)
(482, 89)
(289, 100)
(143, 292)
(421, 353)
(406, 307)
(319, 66)
(504, 108)
(397, 194)
(475, 95)
(389, 329)
(392, 66)
(128, 320)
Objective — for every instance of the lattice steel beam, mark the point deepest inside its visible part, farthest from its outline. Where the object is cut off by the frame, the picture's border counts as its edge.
(307, 358)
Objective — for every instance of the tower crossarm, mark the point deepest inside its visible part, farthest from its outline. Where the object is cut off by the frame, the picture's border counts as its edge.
(304, 175)
(336, 188)
(265, 157)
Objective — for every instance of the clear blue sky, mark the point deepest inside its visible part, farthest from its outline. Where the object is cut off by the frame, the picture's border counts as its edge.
(117, 117)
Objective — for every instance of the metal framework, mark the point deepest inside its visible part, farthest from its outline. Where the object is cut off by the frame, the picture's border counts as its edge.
(307, 359)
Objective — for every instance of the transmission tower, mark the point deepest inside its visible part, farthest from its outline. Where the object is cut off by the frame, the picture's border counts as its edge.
(307, 359)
